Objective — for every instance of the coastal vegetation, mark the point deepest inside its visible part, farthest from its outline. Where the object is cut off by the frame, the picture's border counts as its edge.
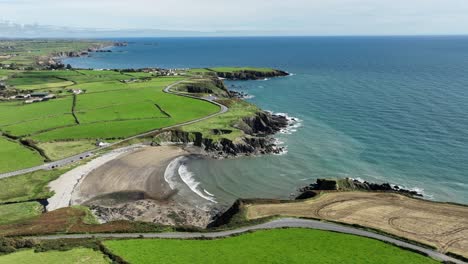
(29, 186)
(227, 124)
(24, 157)
(10, 213)
(271, 246)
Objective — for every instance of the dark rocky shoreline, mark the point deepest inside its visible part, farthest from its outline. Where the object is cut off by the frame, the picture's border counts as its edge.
(251, 75)
(349, 184)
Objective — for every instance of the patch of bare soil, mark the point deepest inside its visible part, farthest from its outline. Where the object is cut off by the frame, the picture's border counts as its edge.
(444, 226)
(163, 213)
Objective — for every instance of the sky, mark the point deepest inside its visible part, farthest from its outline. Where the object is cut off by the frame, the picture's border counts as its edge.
(275, 17)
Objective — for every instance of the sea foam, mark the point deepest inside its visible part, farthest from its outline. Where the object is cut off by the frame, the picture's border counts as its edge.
(177, 170)
(188, 178)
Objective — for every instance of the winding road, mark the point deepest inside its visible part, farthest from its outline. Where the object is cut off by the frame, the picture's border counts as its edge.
(279, 223)
(78, 157)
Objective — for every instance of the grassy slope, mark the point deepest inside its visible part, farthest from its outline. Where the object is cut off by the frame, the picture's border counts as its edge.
(237, 110)
(77, 255)
(273, 246)
(14, 156)
(28, 186)
(11, 213)
(59, 149)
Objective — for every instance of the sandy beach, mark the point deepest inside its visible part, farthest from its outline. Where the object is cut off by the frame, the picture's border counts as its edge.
(141, 170)
(64, 185)
(129, 184)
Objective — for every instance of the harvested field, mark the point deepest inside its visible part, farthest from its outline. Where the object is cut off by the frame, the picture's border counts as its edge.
(444, 226)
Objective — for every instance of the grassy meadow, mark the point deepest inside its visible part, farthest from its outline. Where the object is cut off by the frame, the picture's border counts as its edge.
(271, 246)
(10, 213)
(30, 186)
(14, 156)
(73, 256)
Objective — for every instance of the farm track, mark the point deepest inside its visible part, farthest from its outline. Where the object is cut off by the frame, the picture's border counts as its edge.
(78, 157)
(275, 224)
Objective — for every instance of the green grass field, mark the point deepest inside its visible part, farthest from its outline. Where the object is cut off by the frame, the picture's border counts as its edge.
(14, 156)
(120, 114)
(10, 213)
(109, 109)
(272, 246)
(74, 256)
(58, 149)
(28, 186)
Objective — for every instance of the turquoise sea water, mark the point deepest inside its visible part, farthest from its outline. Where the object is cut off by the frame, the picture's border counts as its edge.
(384, 109)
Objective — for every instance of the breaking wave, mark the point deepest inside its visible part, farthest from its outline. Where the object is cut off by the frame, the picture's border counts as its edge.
(177, 169)
(188, 178)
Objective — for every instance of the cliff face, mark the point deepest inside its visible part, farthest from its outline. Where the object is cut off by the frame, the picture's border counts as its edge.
(251, 75)
(258, 130)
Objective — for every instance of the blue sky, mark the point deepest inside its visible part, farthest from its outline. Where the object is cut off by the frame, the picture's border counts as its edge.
(297, 17)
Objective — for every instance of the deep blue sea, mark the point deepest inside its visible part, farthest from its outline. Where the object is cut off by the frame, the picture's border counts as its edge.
(383, 109)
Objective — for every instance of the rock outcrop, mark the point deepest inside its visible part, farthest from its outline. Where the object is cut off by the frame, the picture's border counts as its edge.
(251, 74)
(349, 184)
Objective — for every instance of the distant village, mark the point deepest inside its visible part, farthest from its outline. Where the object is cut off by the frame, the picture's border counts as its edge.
(34, 97)
(37, 97)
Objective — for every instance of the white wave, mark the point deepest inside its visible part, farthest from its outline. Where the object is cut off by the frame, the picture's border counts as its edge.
(249, 96)
(207, 192)
(170, 173)
(357, 179)
(177, 169)
(188, 178)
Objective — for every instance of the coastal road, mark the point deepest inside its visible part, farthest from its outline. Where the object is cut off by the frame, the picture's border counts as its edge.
(279, 223)
(78, 157)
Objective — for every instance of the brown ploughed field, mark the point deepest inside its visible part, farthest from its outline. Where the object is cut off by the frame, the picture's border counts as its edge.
(442, 225)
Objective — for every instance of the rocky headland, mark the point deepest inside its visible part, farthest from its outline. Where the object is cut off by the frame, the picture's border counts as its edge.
(258, 139)
(349, 184)
(251, 74)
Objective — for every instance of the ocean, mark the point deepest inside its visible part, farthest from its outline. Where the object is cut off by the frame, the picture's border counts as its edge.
(382, 109)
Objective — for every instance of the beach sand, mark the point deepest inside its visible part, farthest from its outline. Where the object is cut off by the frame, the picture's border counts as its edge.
(64, 185)
(139, 171)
